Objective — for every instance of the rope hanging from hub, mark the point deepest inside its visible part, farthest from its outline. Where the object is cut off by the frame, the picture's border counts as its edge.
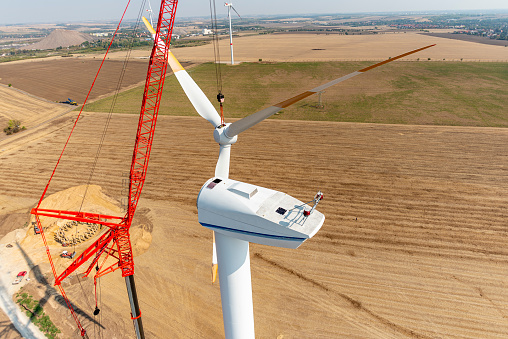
(216, 52)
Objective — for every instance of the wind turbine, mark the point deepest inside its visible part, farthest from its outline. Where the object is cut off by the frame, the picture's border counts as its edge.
(239, 212)
(230, 6)
(149, 10)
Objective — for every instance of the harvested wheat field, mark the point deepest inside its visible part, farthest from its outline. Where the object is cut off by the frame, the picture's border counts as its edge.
(334, 47)
(413, 245)
(30, 110)
(322, 47)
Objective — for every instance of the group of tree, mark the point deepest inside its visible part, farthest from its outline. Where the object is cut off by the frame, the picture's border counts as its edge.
(35, 312)
(14, 126)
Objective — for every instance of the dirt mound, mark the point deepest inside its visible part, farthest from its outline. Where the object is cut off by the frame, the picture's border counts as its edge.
(94, 201)
(60, 38)
(72, 199)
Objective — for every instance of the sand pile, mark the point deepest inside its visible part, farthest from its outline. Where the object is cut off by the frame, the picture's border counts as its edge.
(71, 199)
(61, 38)
(95, 201)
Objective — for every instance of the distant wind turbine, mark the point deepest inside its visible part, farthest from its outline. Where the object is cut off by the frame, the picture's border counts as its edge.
(150, 12)
(230, 6)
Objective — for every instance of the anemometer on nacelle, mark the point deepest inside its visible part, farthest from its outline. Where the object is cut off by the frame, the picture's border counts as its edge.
(257, 214)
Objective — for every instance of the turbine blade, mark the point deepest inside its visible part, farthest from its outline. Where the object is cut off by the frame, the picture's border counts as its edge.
(236, 11)
(222, 168)
(196, 96)
(239, 126)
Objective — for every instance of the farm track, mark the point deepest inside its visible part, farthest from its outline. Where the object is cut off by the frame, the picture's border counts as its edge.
(414, 242)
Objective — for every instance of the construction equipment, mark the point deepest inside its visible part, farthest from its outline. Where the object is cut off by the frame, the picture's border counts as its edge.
(69, 101)
(68, 255)
(36, 228)
(19, 277)
(115, 243)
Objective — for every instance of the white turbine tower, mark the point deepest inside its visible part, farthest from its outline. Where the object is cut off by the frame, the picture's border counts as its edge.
(230, 6)
(239, 212)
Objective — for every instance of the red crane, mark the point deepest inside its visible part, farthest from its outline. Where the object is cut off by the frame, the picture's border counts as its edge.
(116, 241)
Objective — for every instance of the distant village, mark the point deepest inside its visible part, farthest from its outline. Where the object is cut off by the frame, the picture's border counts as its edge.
(491, 33)
(36, 41)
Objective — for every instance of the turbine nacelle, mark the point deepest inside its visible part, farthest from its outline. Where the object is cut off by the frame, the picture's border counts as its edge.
(256, 214)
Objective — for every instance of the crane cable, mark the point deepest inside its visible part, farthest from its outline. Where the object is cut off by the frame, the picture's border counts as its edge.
(115, 98)
(98, 302)
(104, 132)
(81, 110)
(108, 120)
(216, 53)
(67, 301)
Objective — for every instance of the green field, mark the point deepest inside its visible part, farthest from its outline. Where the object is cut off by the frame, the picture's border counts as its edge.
(423, 92)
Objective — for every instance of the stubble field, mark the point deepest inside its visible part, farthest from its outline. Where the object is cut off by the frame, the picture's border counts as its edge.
(322, 47)
(413, 245)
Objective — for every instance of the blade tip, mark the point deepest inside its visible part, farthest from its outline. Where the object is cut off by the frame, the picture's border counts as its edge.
(214, 272)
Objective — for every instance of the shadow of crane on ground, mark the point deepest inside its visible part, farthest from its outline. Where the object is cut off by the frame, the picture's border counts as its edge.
(8, 330)
(52, 292)
(13, 312)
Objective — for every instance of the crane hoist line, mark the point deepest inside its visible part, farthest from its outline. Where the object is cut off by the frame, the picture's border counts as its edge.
(115, 243)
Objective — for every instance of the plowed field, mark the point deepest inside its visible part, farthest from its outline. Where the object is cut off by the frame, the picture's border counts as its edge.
(59, 79)
(414, 244)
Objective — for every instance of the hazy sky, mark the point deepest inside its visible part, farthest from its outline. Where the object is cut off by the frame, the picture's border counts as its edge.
(52, 11)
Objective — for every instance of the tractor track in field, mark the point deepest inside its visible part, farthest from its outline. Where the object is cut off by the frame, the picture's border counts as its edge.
(361, 310)
(403, 218)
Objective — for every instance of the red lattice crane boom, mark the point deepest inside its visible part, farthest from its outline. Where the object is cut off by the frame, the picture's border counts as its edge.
(116, 241)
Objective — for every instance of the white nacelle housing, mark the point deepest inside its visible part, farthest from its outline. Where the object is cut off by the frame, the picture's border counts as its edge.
(256, 214)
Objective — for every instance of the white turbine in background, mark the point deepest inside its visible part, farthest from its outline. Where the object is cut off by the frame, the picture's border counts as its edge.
(149, 10)
(240, 213)
(230, 6)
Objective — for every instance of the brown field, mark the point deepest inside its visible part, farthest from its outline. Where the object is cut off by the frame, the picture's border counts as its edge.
(30, 110)
(413, 245)
(300, 47)
(59, 79)
(334, 47)
(470, 38)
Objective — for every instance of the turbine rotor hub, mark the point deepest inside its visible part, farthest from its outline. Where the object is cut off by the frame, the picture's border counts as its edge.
(221, 137)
